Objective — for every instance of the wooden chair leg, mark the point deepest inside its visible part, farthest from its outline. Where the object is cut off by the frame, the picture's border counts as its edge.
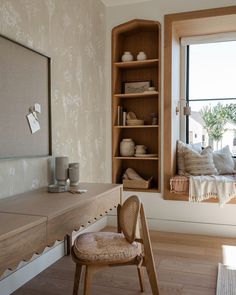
(77, 278)
(88, 280)
(149, 260)
(151, 271)
(140, 276)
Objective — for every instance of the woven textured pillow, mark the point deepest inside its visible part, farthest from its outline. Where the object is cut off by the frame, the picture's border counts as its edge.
(180, 154)
(223, 161)
(199, 163)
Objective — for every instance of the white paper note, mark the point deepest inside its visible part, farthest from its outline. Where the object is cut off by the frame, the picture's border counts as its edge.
(33, 123)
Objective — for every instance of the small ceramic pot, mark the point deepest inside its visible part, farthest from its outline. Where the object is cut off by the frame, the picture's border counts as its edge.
(127, 147)
(127, 56)
(141, 56)
(151, 89)
(140, 149)
(74, 174)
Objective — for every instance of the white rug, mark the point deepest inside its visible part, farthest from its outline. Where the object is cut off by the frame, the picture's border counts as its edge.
(226, 280)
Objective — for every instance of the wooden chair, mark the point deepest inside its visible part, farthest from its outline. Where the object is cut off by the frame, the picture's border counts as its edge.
(98, 249)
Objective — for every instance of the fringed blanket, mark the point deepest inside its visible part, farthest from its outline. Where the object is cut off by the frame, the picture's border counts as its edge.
(213, 186)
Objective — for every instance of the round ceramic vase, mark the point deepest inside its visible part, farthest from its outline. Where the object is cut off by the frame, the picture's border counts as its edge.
(127, 56)
(141, 56)
(127, 147)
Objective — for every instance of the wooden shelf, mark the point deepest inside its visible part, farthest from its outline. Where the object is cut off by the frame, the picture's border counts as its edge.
(149, 63)
(135, 95)
(137, 158)
(134, 36)
(137, 126)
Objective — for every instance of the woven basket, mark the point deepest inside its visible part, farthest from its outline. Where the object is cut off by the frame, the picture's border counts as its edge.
(128, 183)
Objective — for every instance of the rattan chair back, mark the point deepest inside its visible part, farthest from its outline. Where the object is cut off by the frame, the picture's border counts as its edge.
(128, 217)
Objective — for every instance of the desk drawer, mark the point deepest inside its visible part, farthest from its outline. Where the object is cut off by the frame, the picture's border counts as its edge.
(86, 213)
(22, 246)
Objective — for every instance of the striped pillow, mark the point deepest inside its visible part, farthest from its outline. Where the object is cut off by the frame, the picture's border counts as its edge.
(180, 154)
(199, 163)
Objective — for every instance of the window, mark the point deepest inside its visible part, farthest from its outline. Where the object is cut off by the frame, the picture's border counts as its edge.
(210, 92)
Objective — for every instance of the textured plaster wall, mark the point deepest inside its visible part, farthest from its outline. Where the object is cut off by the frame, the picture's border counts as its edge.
(72, 33)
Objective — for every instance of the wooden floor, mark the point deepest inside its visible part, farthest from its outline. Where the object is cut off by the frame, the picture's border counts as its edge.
(186, 265)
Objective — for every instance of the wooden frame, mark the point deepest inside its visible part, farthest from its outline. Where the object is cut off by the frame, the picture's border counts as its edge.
(178, 25)
(25, 81)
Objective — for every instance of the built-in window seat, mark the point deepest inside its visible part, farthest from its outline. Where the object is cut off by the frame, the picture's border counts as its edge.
(179, 188)
(203, 174)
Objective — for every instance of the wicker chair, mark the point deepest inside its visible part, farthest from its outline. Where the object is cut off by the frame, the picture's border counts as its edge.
(98, 249)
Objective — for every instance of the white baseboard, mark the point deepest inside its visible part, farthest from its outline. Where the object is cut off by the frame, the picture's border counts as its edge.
(26, 271)
(187, 227)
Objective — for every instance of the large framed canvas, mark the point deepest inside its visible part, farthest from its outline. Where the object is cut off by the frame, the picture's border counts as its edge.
(25, 101)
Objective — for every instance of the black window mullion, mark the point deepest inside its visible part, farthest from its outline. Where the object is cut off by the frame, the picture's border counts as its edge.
(187, 91)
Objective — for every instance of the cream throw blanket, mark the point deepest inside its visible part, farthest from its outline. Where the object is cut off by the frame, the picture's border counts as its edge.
(212, 186)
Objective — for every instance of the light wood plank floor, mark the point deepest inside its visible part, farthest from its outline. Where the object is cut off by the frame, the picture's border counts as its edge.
(186, 265)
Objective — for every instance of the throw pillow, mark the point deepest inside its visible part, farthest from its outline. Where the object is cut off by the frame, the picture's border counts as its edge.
(180, 154)
(199, 163)
(223, 161)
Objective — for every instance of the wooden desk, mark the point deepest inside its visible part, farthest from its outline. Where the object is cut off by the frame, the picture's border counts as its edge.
(42, 217)
(20, 237)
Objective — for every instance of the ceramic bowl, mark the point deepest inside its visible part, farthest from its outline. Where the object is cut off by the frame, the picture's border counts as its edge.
(135, 122)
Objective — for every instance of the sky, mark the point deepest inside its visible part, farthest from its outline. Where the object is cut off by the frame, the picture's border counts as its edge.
(213, 70)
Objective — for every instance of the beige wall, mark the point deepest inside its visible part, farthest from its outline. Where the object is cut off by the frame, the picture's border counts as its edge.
(72, 33)
(75, 34)
(172, 215)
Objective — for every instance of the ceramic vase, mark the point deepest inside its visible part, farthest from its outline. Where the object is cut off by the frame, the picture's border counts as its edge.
(141, 56)
(61, 167)
(127, 147)
(74, 174)
(127, 56)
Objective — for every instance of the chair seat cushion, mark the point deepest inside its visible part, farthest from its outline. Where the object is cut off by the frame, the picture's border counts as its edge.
(104, 247)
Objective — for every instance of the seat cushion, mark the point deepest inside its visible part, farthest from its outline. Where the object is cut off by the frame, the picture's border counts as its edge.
(104, 247)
